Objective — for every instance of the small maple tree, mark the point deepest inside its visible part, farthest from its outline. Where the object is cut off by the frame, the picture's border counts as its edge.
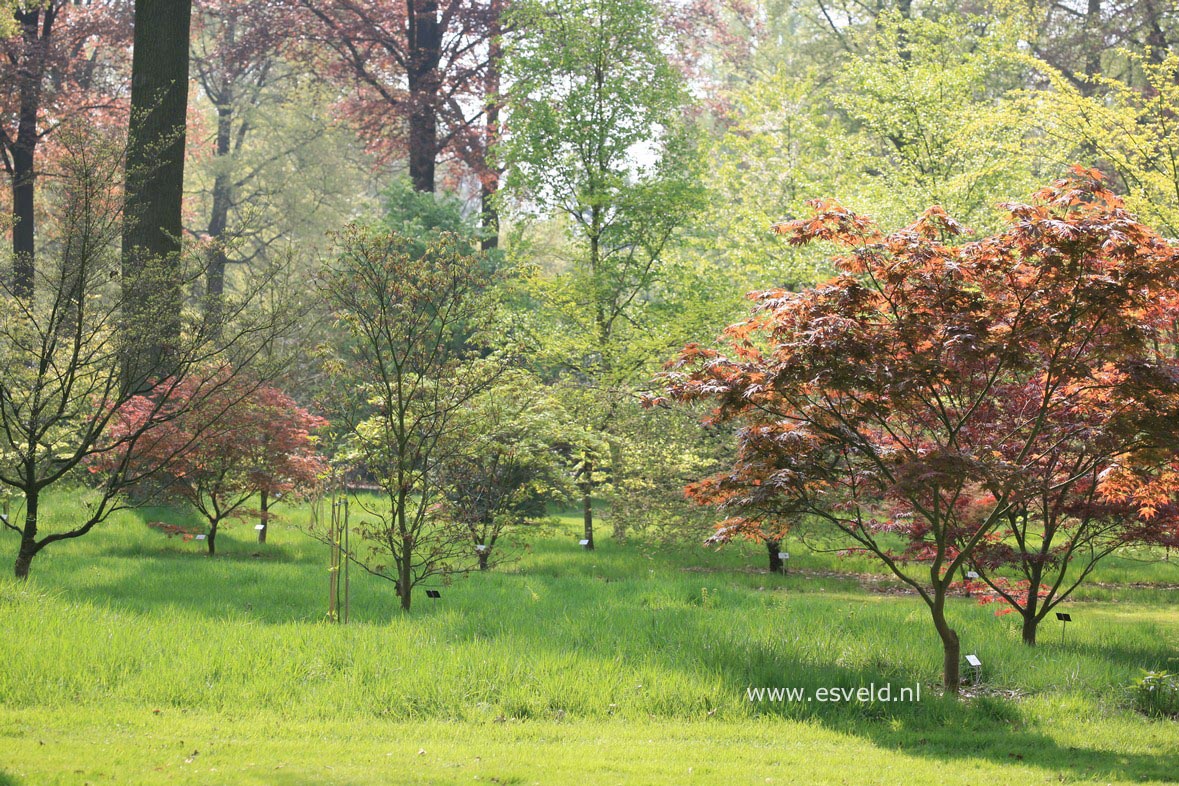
(245, 440)
(501, 466)
(935, 389)
(422, 337)
(768, 528)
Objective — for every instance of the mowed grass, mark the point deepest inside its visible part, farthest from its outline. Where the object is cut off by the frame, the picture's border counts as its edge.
(132, 658)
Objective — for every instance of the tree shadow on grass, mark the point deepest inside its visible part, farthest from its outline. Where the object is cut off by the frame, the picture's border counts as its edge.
(8, 780)
(270, 588)
(1002, 744)
(229, 549)
(954, 732)
(1135, 657)
(993, 728)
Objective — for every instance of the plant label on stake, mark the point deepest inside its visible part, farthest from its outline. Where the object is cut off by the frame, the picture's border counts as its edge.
(1065, 619)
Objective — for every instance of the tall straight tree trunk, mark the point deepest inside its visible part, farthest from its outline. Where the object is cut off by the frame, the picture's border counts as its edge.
(154, 185)
(489, 212)
(1094, 41)
(36, 27)
(587, 504)
(1156, 37)
(490, 176)
(219, 220)
(425, 51)
(24, 227)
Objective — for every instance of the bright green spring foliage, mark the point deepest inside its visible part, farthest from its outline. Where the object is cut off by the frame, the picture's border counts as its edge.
(921, 112)
(1127, 129)
(596, 141)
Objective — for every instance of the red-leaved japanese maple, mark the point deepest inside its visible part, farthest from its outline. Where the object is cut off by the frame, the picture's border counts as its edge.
(1083, 497)
(934, 389)
(245, 440)
(769, 530)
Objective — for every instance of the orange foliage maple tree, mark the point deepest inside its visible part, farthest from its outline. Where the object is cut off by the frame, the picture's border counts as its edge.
(936, 393)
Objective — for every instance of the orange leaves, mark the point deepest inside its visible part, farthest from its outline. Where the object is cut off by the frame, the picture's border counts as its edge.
(1083, 188)
(1148, 491)
(936, 224)
(831, 222)
(932, 391)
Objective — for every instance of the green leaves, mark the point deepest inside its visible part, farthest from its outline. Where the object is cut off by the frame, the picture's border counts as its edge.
(590, 85)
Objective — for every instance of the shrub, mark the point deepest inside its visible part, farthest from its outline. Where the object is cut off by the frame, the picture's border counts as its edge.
(1156, 693)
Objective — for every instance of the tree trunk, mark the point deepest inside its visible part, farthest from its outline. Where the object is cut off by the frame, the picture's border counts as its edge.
(28, 539)
(1094, 44)
(587, 504)
(264, 518)
(425, 51)
(951, 648)
(484, 555)
(776, 563)
(489, 212)
(154, 184)
(404, 575)
(1156, 38)
(211, 539)
(219, 221)
(36, 27)
(23, 230)
(1031, 610)
(1030, 623)
(24, 558)
(490, 176)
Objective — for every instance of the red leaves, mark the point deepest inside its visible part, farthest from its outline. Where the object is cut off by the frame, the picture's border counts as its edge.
(931, 389)
(173, 530)
(1019, 591)
(219, 440)
(936, 224)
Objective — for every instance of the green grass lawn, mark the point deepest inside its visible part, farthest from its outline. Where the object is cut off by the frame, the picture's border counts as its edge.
(132, 658)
